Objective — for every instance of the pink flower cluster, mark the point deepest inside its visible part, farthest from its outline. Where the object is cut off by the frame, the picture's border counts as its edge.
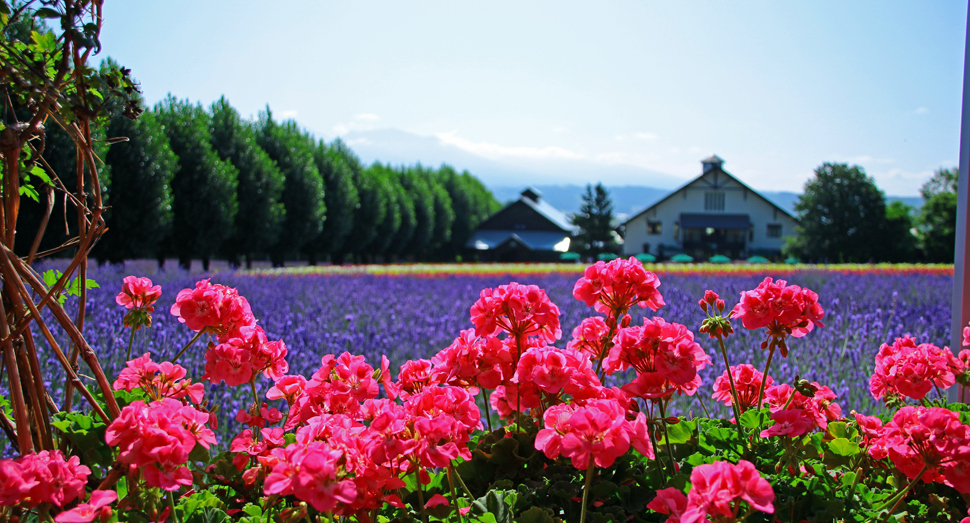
(139, 296)
(933, 438)
(473, 361)
(717, 490)
(157, 437)
(616, 286)
(158, 380)
(747, 381)
(908, 369)
(796, 414)
(243, 350)
(351, 448)
(519, 310)
(665, 356)
(42, 477)
(596, 430)
(784, 309)
(590, 336)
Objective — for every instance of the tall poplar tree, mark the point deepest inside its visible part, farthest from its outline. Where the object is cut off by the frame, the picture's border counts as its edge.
(139, 216)
(261, 211)
(204, 203)
(303, 192)
(341, 199)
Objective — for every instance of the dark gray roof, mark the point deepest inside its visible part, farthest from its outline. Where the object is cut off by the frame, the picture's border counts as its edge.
(713, 159)
(553, 214)
(533, 240)
(691, 220)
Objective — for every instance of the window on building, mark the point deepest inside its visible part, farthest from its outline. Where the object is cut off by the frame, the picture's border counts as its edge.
(677, 231)
(751, 233)
(774, 230)
(714, 201)
(654, 227)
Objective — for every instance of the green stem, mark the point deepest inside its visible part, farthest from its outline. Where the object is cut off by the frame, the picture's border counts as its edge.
(701, 400)
(464, 487)
(589, 479)
(607, 345)
(187, 345)
(171, 504)
(131, 341)
(735, 404)
(454, 495)
(764, 378)
(488, 410)
(902, 494)
(656, 454)
(417, 479)
(663, 420)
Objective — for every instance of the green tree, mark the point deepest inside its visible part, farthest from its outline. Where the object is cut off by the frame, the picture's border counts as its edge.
(140, 194)
(898, 239)
(842, 216)
(595, 222)
(303, 190)
(204, 201)
(937, 219)
(374, 208)
(472, 204)
(340, 197)
(261, 211)
(398, 234)
(415, 185)
(444, 214)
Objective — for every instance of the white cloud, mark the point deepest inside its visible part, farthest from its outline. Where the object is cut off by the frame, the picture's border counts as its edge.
(359, 141)
(493, 150)
(367, 117)
(340, 129)
(286, 115)
(922, 110)
(646, 136)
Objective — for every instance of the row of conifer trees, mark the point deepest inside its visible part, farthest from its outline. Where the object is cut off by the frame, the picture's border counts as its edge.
(205, 183)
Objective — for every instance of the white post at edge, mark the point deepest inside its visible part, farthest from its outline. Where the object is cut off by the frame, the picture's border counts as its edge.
(961, 280)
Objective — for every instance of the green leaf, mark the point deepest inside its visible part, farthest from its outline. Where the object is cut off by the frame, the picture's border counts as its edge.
(751, 419)
(493, 503)
(679, 433)
(39, 172)
(844, 447)
(47, 12)
(536, 515)
(29, 191)
(208, 515)
(199, 454)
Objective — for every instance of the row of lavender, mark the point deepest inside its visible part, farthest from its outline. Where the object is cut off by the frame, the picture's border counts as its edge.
(407, 318)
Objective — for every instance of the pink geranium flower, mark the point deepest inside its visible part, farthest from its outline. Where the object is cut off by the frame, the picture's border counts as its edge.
(589, 337)
(908, 369)
(747, 380)
(931, 438)
(96, 508)
(520, 310)
(616, 286)
(789, 423)
(717, 490)
(138, 293)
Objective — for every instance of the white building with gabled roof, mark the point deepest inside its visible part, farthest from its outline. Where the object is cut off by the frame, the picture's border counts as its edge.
(714, 213)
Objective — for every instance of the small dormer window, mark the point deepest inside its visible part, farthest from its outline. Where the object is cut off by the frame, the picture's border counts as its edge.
(714, 201)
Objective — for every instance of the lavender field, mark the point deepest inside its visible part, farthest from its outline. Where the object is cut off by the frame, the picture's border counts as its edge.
(414, 317)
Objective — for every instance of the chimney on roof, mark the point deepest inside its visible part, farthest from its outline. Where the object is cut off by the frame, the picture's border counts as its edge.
(532, 193)
(712, 162)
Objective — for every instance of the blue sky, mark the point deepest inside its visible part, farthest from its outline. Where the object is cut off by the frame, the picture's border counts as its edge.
(574, 92)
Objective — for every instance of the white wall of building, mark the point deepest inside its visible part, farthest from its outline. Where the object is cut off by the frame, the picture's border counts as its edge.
(738, 199)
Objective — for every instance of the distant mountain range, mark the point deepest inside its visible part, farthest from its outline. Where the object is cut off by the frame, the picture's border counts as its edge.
(629, 200)
(556, 179)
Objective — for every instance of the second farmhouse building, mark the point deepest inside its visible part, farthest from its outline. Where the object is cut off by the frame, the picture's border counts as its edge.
(714, 213)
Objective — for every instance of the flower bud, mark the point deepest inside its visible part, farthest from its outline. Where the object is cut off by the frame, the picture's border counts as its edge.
(626, 321)
(703, 305)
(720, 305)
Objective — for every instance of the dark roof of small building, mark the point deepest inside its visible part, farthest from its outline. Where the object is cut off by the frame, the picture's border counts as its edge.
(532, 240)
(713, 159)
(530, 199)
